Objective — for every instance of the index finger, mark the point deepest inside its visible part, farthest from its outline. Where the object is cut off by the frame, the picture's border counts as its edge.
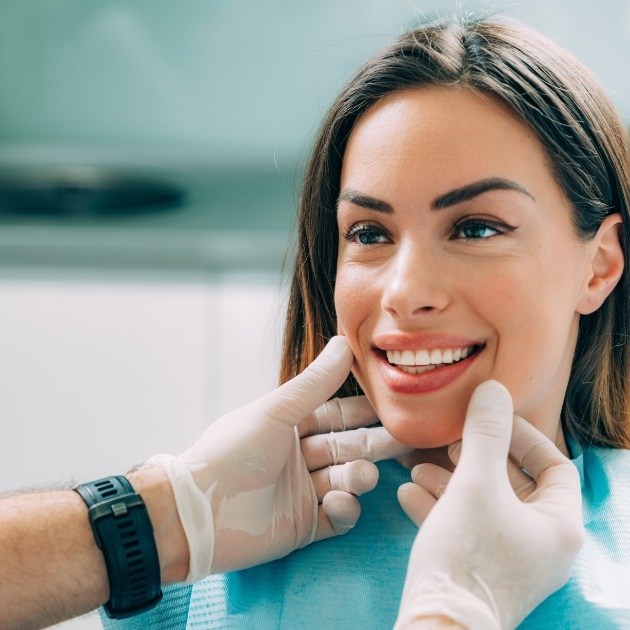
(544, 462)
(292, 402)
(532, 450)
(487, 426)
(374, 444)
(339, 414)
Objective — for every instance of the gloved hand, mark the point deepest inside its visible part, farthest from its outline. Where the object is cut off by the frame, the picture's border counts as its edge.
(483, 557)
(251, 490)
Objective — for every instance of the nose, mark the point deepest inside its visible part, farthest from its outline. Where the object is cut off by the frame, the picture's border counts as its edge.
(416, 283)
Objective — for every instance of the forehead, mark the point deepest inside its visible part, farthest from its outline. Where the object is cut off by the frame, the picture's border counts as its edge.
(441, 138)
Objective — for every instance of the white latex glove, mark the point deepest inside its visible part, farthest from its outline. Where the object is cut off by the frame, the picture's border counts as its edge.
(483, 557)
(251, 490)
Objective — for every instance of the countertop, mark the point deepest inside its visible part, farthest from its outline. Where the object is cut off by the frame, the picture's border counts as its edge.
(229, 217)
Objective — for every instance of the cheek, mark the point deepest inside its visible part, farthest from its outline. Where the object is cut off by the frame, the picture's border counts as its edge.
(354, 299)
(357, 303)
(535, 323)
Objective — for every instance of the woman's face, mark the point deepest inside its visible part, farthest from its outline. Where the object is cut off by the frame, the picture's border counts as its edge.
(458, 263)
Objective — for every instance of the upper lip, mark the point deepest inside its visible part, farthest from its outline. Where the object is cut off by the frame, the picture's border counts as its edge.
(399, 340)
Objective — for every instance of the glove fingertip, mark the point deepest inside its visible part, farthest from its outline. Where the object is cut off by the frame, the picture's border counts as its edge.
(454, 451)
(338, 345)
(342, 509)
(366, 476)
(415, 474)
(415, 502)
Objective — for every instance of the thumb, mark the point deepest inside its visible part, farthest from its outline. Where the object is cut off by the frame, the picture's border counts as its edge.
(488, 426)
(300, 396)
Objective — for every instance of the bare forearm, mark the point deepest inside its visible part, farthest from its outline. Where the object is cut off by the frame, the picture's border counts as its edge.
(50, 566)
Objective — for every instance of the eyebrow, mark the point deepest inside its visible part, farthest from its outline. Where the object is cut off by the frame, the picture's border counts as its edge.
(365, 201)
(470, 191)
(452, 198)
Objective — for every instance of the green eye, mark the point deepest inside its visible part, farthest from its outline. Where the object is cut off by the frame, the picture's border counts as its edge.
(369, 237)
(365, 234)
(476, 230)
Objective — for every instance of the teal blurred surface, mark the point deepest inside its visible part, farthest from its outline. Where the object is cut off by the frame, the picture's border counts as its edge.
(230, 82)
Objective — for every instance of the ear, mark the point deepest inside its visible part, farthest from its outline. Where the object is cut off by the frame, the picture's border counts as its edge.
(605, 266)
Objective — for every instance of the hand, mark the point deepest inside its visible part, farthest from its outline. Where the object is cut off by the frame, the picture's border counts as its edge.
(483, 557)
(250, 490)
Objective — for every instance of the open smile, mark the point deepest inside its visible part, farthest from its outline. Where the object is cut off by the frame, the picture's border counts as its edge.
(424, 370)
(424, 360)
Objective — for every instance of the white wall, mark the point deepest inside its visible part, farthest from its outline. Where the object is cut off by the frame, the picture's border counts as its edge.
(97, 374)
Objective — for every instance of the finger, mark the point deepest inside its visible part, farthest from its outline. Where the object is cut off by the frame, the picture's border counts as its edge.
(438, 456)
(432, 478)
(557, 479)
(416, 502)
(337, 515)
(454, 451)
(356, 477)
(532, 450)
(292, 402)
(374, 444)
(487, 428)
(522, 484)
(339, 414)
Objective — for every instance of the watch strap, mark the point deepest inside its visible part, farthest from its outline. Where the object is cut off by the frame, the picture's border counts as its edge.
(123, 531)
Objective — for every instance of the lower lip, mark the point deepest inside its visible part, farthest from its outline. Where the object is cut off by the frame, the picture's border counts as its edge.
(430, 381)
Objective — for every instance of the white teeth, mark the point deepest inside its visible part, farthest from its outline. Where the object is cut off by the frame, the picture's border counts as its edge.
(420, 369)
(418, 361)
(408, 357)
(422, 357)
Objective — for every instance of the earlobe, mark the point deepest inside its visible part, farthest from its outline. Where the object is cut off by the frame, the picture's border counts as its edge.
(605, 267)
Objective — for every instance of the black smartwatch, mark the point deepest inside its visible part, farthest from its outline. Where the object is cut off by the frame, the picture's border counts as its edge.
(124, 533)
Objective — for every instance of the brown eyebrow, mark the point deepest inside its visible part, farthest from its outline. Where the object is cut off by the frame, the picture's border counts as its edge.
(470, 191)
(459, 195)
(365, 201)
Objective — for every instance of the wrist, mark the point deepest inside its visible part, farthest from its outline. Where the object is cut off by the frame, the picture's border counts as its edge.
(153, 485)
(432, 622)
(433, 597)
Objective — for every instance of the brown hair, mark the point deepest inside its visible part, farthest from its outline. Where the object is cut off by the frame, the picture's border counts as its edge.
(587, 148)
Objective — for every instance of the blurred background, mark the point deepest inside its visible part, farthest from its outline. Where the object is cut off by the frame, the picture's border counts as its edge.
(150, 158)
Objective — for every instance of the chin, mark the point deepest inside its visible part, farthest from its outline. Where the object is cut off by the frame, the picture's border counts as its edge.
(429, 420)
(421, 431)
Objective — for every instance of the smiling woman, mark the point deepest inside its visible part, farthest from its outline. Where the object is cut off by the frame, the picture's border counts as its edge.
(469, 191)
(464, 217)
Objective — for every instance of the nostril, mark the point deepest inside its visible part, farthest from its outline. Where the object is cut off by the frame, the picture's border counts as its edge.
(424, 309)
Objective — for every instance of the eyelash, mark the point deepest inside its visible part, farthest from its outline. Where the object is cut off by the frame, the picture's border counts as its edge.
(363, 229)
(498, 227)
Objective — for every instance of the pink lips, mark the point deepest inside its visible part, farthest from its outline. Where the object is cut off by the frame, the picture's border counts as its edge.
(404, 383)
(413, 341)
